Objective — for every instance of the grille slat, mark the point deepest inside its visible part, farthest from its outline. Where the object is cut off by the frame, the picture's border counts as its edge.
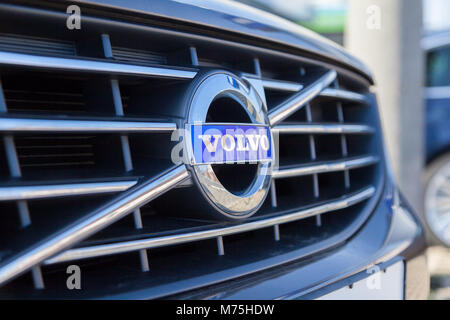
(323, 129)
(48, 125)
(22, 205)
(344, 95)
(325, 167)
(91, 66)
(352, 97)
(109, 51)
(282, 85)
(313, 153)
(51, 190)
(122, 247)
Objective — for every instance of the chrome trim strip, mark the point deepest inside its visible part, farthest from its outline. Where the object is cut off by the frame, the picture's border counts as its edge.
(12, 193)
(282, 85)
(80, 65)
(93, 222)
(127, 246)
(285, 109)
(67, 125)
(323, 129)
(344, 95)
(324, 167)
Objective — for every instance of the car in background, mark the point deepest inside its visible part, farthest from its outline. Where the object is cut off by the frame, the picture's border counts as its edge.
(437, 114)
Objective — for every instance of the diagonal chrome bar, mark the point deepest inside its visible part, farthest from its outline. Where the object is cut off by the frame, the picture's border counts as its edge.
(95, 221)
(288, 107)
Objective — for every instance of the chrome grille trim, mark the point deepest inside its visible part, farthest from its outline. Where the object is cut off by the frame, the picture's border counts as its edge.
(344, 95)
(300, 85)
(51, 190)
(299, 100)
(124, 141)
(93, 222)
(282, 85)
(49, 125)
(122, 247)
(323, 129)
(324, 167)
(92, 66)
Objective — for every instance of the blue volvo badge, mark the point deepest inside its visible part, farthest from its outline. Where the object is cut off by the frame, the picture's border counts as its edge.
(227, 124)
(222, 143)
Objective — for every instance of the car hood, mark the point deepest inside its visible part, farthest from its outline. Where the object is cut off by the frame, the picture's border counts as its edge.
(239, 19)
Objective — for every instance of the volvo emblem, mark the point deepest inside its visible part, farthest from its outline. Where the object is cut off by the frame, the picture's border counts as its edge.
(231, 144)
(228, 144)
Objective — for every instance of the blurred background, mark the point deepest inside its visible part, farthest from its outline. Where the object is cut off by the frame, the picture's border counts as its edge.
(406, 44)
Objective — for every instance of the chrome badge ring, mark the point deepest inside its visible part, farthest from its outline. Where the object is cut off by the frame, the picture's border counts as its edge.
(229, 143)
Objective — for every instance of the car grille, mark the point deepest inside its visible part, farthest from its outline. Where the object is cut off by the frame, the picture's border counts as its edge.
(85, 172)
